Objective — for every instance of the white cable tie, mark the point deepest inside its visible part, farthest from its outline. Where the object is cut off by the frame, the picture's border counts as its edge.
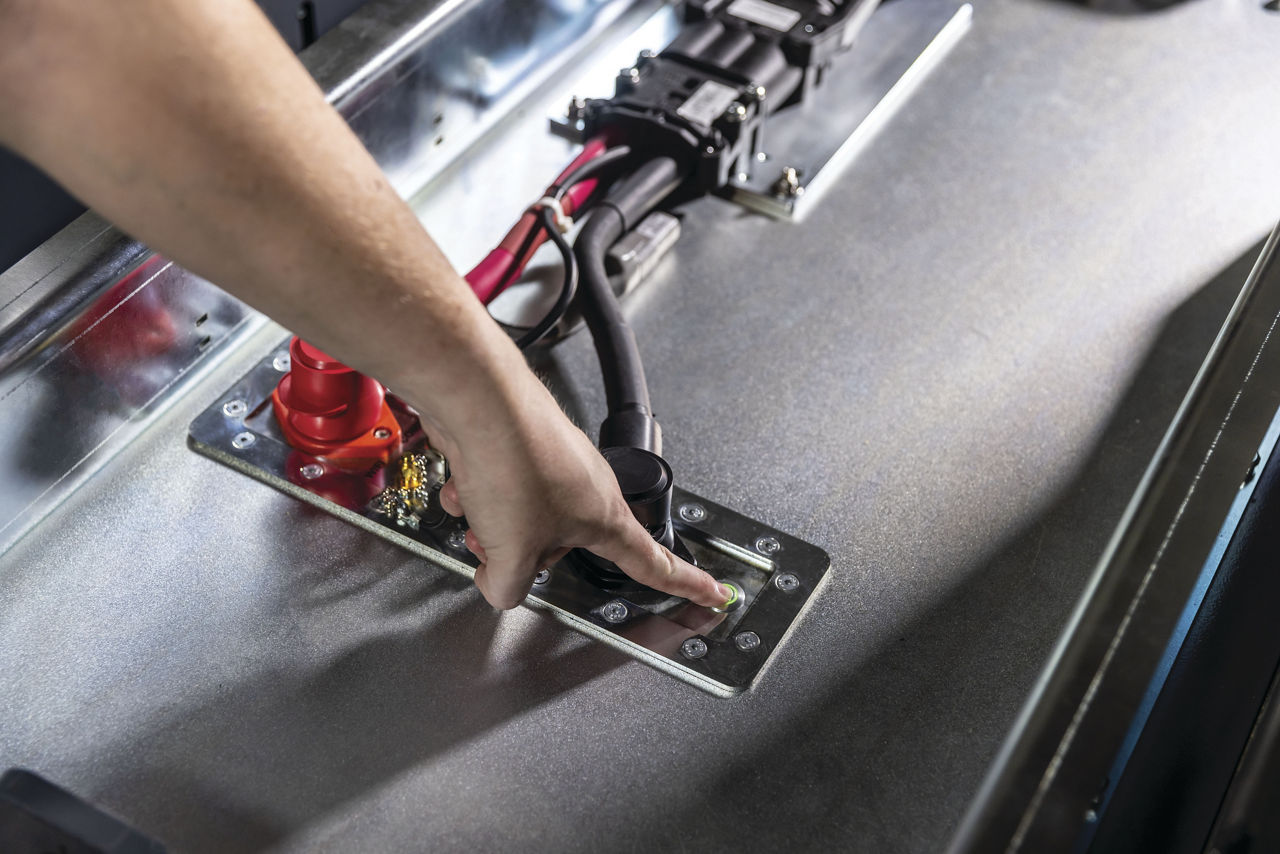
(563, 221)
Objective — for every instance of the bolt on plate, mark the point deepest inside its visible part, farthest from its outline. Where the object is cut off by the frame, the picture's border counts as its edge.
(693, 648)
(615, 611)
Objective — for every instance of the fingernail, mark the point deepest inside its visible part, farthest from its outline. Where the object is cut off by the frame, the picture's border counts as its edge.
(727, 593)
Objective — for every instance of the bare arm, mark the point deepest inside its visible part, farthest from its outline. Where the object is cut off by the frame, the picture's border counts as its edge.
(192, 127)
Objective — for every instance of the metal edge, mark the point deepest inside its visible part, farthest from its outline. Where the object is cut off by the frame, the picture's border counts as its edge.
(979, 812)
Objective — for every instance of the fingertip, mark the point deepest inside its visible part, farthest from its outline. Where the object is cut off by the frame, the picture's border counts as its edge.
(473, 544)
(449, 499)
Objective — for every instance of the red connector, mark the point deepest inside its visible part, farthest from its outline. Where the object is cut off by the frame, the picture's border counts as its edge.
(326, 409)
(504, 265)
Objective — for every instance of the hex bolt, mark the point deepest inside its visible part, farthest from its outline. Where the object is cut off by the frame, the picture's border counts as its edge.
(788, 183)
(243, 440)
(381, 433)
(735, 113)
(615, 612)
(693, 648)
(693, 512)
(281, 362)
(543, 576)
(746, 641)
(457, 539)
(768, 545)
(311, 471)
(234, 408)
(786, 582)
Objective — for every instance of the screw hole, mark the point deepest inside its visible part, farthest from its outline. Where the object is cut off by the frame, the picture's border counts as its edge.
(201, 319)
(204, 342)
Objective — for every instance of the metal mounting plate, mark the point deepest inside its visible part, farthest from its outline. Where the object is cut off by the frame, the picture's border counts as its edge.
(720, 653)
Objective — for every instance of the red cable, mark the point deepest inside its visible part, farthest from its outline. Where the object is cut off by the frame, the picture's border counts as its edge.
(501, 267)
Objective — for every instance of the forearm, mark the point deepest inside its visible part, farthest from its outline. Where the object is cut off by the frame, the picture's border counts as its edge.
(231, 163)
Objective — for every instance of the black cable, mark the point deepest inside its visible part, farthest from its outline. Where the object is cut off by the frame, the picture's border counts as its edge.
(590, 169)
(567, 290)
(630, 422)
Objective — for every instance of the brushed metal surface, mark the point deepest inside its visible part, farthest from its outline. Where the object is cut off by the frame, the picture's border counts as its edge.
(951, 376)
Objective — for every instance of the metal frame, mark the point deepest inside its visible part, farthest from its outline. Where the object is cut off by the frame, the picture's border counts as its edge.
(1056, 768)
(722, 653)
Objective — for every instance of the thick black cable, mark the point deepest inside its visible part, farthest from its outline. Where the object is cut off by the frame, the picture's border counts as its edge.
(630, 422)
(568, 289)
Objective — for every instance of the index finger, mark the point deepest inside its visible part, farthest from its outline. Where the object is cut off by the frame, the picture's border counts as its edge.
(649, 562)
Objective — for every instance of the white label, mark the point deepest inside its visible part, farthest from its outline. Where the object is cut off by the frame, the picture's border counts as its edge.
(769, 15)
(708, 102)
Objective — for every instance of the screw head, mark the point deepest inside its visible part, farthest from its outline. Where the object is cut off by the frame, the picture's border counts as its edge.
(234, 408)
(693, 512)
(243, 440)
(281, 362)
(710, 149)
(631, 74)
(543, 576)
(786, 582)
(311, 471)
(615, 612)
(381, 433)
(768, 545)
(736, 112)
(577, 109)
(693, 648)
(457, 539)
(759, 92)
(808, 28)
(647, 54)
(788, 183)
(746, 641)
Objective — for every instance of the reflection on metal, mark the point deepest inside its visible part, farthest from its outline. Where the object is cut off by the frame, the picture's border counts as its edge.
(731, 648)
(93, 385)
(900, 44)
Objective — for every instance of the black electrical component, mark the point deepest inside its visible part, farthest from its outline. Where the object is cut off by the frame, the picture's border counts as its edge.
(646, 482)
(704, 99)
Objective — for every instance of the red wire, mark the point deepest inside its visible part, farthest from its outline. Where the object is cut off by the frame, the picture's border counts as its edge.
(501, 267)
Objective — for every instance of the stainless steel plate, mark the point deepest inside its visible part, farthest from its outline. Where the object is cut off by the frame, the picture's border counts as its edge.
(720, 652)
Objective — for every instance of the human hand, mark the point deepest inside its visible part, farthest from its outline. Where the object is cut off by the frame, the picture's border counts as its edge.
(533, 486)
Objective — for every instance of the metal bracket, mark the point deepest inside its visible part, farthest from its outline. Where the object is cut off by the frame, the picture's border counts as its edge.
(722, 653)
(807, 146)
